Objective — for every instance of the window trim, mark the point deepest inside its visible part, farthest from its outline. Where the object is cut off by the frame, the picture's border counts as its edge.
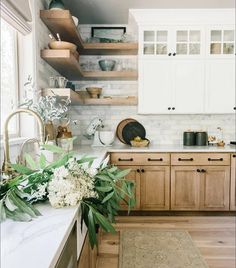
(16, 102)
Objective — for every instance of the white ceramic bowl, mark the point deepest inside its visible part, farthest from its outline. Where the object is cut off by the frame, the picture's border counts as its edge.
(107, 137)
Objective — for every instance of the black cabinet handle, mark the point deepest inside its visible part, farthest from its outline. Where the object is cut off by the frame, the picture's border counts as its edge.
(234, 155)
(203, 170)
(174, 54)
(215, 159)
(234, 108)
(169, 54)
(173, 108)
(198, 170)
(155, 159)
(138, 170)
(129, 159)
(169, 108)
(185, 159)
(142, 170)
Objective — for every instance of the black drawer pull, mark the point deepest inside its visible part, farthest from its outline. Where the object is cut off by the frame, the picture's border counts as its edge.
(185, 159)
(234, 155)
(203, 170)
(215, 159)
(142, 170)
(129, 159)
(138, 170)
(198, 170)
(155, 159)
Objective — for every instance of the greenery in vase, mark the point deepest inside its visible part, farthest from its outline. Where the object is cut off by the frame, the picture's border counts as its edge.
(67, 182)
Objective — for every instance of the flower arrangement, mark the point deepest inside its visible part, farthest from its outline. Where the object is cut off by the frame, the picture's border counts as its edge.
(67, 182)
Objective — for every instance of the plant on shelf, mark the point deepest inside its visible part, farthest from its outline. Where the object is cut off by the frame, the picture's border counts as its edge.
(50, 108)
(67, 182)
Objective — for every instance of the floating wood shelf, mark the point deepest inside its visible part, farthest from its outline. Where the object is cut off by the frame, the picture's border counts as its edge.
(67, 64)
(60, 21)
(82, 98)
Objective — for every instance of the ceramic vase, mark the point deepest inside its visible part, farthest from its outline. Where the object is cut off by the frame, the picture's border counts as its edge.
(56, 4)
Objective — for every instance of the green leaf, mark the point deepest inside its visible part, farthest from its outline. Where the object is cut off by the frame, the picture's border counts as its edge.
(122, 173)
(9, 203)
(21, 169)
(104, 189)
(92, 229)
(104, 223)
(103, 178)
(86, 159)
(42, 161)
(29, 160)
(17, 215)
(109, 196)
(112, 169)
(53, 148)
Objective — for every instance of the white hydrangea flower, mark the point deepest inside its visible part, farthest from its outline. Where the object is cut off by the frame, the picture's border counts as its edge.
(69, 185)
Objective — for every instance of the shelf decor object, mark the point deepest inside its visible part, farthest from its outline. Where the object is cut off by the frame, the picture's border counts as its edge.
(67, 64)
(83, 98)
(61, 21)
(56, 5)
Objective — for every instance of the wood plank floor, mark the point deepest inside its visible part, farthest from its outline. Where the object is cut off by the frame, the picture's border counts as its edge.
(214, 236)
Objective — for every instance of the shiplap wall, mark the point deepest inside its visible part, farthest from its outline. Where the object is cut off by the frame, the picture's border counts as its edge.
(161, 129)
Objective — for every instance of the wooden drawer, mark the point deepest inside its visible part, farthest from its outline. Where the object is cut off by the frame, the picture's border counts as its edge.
(209, 159)
(148, 159)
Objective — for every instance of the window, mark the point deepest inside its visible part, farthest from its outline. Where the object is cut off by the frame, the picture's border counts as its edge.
(9, 76)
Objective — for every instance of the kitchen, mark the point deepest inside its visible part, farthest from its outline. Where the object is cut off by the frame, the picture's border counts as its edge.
(161, 106)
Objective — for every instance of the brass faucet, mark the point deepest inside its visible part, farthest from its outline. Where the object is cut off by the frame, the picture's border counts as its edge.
(6, 163)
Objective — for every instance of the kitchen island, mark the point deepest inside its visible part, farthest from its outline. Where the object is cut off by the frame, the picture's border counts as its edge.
(39, 243)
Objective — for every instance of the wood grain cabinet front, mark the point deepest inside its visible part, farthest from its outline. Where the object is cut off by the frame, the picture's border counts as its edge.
(233, 183)
(215, 188)
(155, 188)
(185, 188)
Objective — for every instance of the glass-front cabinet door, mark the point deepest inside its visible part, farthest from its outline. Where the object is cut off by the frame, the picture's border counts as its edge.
(188, 42)
(172, 41)
(155, 42)
(221, 42)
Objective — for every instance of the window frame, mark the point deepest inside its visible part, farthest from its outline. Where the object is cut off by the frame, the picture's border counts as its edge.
(17, 133)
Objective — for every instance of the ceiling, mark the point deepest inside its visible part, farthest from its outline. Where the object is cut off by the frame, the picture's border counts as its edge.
(116, 11)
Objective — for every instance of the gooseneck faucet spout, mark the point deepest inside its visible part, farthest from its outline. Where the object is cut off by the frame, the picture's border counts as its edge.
(6, 165)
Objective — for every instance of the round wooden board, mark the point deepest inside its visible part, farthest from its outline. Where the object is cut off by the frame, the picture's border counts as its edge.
(120, 127)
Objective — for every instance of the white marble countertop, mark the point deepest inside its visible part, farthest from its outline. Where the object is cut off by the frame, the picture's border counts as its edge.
(154, 148)
(39, 243)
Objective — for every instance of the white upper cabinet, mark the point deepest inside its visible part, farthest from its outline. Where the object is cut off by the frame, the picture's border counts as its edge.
(186, 61)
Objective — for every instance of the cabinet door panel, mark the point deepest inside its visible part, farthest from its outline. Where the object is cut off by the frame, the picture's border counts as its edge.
(155, 187)
(220, 86)
(184, 188)
(188, 77)
(134, 176)
(155, 86)
(233, 183)
(215, 188)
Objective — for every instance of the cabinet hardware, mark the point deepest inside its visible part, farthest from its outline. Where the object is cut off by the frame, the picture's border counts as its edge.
(169, 54)
(138, 170)
(234, 155)
(203, 170)
(155, 159)
(173, 108)
(142, 170)
(129, 159)
(169, 108)
(234, 108)
(198, 170)
(174, 54)
(185, 159)
(215, 159)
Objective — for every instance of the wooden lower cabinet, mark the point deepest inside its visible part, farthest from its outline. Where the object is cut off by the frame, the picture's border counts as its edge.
(233, 183)
(185, 188)
(214, 188)
(155, 188)
(134, 176)
(88, 257)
